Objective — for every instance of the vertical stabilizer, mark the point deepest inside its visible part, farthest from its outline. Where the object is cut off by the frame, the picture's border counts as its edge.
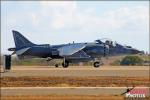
(21, 41)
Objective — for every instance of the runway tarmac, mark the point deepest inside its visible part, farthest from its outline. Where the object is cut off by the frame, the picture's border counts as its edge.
(79, 71)
(5, 91)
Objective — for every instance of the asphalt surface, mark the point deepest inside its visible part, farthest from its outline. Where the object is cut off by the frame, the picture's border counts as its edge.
(5, 91)
(123, 71)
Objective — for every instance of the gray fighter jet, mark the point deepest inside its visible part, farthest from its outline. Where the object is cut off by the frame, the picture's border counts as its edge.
(71, 52)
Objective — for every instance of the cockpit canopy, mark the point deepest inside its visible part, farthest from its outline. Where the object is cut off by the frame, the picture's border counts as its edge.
(99, 42)
(110, 43)
(106, 41)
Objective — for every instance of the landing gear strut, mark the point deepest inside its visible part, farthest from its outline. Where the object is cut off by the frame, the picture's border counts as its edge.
(65, 64)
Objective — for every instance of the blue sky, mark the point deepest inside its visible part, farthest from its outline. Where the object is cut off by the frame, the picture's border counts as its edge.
(58, 22)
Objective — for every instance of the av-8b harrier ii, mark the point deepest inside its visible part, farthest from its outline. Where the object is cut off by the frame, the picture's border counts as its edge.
(71, 52)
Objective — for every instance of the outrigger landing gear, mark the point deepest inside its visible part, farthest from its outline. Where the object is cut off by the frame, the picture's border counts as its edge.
(96, 64)
(65, 63)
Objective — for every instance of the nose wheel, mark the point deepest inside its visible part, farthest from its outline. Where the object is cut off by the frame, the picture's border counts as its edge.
(96, 64)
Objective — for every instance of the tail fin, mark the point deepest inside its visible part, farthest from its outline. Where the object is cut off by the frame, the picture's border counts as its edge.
(21, 41)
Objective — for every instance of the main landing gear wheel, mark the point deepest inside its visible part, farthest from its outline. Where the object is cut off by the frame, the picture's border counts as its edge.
(96, 64)
(56, 65)
(65, 64)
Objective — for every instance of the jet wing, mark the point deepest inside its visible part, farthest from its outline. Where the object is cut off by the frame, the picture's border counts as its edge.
(70, 49)
(79, 54)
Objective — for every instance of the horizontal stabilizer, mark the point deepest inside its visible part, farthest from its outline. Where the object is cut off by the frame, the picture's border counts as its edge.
(21, 51)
